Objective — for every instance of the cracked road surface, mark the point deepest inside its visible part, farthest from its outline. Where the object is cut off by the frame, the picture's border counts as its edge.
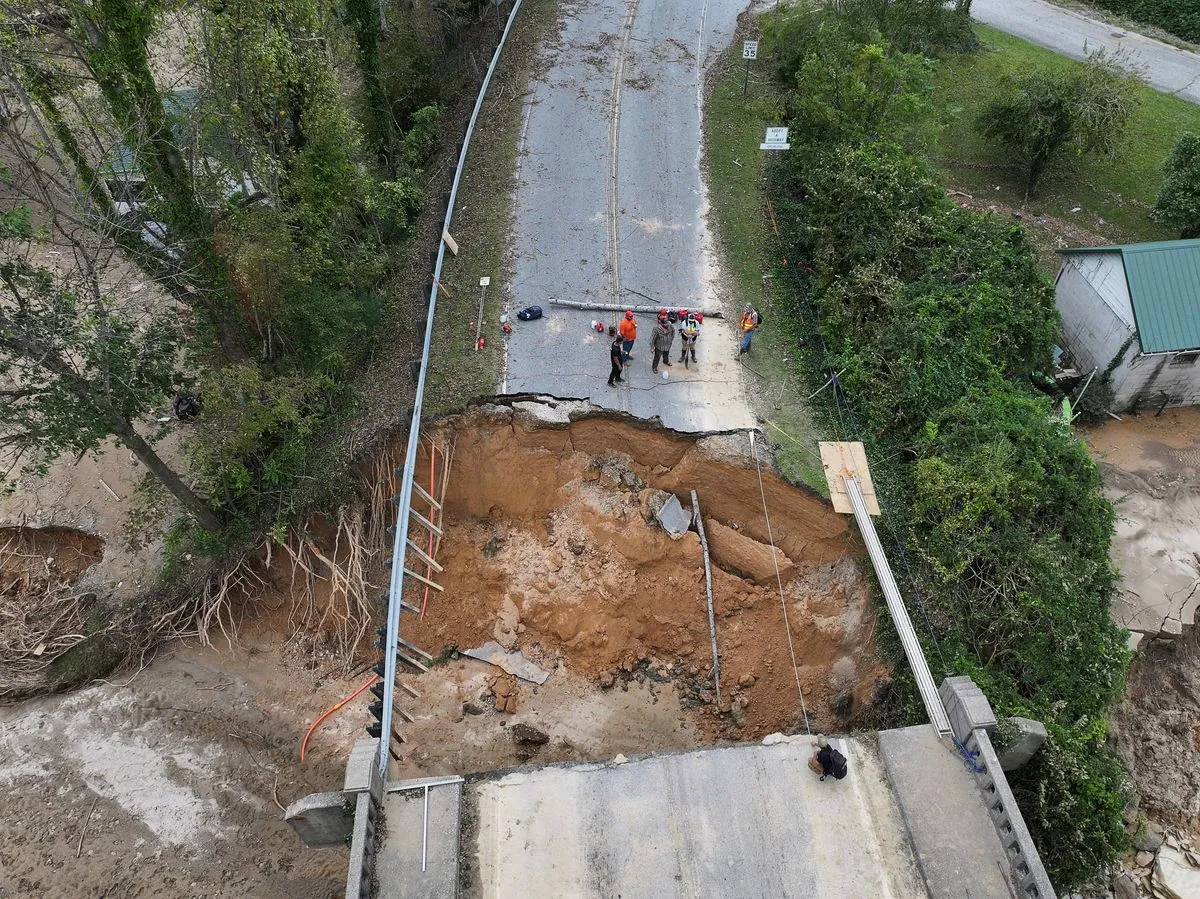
(610, 197)
(1067, 32)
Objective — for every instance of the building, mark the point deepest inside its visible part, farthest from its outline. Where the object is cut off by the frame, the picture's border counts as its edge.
(1133, 312)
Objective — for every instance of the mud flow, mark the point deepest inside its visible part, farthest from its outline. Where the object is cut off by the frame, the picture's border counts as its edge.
(552, 548)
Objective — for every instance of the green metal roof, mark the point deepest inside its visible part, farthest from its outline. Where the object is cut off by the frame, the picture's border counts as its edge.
(1164, 290)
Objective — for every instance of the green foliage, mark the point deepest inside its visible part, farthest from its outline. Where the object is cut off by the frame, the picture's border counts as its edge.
(1176, 16)
(1074, 789)
(76, 368)
(421, 138)
(251, 445)
(936, 316)
(1178, 205)
(1038, 115)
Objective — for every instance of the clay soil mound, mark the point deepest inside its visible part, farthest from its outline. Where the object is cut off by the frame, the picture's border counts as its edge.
(552, 549)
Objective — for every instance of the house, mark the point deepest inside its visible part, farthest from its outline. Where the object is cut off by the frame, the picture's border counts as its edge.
(1133, 312)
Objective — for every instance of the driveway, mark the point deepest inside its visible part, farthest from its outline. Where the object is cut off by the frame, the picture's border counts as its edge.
(1067, 32)
(610, 198)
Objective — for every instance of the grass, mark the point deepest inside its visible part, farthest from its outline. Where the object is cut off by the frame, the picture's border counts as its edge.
(1114, 195)
(733, 129)
(482, 223)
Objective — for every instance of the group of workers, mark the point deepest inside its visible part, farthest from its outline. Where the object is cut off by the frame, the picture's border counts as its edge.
(670, 322)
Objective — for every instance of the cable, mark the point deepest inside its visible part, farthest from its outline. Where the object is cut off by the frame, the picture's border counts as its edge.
(330, 711)
(779, 581)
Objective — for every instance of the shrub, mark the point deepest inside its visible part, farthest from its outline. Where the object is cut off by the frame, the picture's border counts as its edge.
(1178, 203)
(1038, 115)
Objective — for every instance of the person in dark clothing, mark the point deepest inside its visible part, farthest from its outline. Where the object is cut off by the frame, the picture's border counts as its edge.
(617, 355)
(827, 761)
(664, 336)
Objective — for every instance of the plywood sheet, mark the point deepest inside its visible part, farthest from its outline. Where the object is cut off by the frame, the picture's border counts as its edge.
(842, 459)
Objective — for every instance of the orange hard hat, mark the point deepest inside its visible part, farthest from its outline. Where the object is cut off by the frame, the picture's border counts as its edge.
(629, 313)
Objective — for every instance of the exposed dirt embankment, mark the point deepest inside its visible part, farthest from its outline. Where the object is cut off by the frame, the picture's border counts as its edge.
(552, 548)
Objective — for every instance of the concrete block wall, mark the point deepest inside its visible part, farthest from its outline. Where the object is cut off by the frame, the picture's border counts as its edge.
(971, 718)
(1029, 874)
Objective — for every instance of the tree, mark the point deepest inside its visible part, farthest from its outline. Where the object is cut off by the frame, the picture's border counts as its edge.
(1178, 203)
(1040, 114)
(75, 370)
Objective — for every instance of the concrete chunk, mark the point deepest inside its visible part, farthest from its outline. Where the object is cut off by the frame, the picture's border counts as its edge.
(530, 415)
(1030, 737)
(673, 519)
(321, 820)
(512, 662)
(360, 765)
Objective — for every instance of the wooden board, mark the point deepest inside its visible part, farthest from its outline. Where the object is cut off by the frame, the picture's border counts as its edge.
(840, 460)
(451, 243)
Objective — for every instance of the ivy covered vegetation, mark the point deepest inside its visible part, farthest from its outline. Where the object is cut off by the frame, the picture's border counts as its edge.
(935, 317)
(260, 163)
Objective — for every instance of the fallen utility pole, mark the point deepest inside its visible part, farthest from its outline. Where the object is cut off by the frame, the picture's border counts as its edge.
(643, 310)
(712, 624)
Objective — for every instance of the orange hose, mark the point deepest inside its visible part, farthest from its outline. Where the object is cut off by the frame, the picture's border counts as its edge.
(315, 724)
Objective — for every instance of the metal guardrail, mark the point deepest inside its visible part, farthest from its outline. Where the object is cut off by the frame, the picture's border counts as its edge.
(404, 503)
(895, 603)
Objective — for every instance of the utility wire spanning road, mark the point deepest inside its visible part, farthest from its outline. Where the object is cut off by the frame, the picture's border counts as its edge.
(1069, 33)
(610, 197)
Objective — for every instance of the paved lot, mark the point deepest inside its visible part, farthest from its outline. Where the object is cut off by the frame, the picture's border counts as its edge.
(610, 196)
(1067, 32)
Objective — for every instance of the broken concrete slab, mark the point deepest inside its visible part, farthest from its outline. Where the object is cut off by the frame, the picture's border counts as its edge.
(321, 820)
(531, 415)
(734, 551)
(513, 663)
(361, 766)
(673, 519)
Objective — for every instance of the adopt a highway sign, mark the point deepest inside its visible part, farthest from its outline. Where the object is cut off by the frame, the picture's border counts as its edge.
(777, 139)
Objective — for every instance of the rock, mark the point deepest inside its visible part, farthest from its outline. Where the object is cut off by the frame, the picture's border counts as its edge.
(746, 680)
(674, 520)
(1125, 886)
(1130, 813)
(738, 711)
(606, 680)
(528, 735)
(619, 760)
(555, 559)
(1144, 859)
(472, 707)
(1148, 838)
(575, 545)
(737, 552)
(1174, 875)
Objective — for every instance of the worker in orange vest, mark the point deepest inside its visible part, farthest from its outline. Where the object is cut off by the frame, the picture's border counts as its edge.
(628, 330)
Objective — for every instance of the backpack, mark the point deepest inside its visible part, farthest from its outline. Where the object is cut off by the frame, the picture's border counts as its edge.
(837, 764)
(529, 313)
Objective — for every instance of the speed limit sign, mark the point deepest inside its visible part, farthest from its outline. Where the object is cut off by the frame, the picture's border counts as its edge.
(749, 49)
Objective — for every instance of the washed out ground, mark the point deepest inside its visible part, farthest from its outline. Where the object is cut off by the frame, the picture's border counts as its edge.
(1151, 468)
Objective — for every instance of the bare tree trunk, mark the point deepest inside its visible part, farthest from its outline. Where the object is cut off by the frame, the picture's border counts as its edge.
(199, 509)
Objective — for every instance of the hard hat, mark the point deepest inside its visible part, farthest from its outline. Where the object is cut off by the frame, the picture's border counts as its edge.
(822, 740)
(683, 313)
(691, 317)
(629, 313)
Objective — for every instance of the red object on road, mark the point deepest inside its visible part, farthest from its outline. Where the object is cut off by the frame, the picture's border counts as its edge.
(482, 343)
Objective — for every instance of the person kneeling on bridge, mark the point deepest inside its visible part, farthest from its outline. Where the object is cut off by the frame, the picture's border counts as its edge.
(827, 761)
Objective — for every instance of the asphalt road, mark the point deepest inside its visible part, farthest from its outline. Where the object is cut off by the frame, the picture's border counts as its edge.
(1067, 32)
(610, 196)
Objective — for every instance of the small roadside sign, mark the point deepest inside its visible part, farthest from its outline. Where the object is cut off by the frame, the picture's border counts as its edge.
(777, 139)
(484, 282)
(749, 49)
